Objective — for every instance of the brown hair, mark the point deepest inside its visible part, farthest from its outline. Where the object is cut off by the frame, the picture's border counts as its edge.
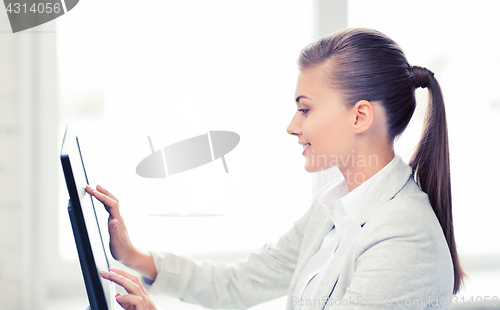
(365, 64)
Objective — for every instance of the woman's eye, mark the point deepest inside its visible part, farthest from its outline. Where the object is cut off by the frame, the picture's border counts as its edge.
(304, 111)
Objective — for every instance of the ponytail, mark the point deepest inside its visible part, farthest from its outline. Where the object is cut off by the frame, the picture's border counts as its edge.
(431, 163)
(367, 65)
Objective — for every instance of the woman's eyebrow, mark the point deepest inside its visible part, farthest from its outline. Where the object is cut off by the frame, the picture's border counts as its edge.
(300, 97)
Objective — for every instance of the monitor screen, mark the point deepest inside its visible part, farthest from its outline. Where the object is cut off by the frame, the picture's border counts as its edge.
(87, 223)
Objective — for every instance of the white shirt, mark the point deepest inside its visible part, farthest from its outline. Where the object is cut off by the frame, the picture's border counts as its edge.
(343, 207)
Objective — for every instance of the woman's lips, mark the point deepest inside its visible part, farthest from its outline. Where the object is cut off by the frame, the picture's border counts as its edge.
(306, 146)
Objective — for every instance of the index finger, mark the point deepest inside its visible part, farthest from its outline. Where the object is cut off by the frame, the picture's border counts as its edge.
(101, 189)
(106, 192)
(89, 190)
(110, 204)
(130, 276)
(126, 283)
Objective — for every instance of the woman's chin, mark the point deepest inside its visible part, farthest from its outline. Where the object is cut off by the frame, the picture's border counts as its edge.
(312, 168)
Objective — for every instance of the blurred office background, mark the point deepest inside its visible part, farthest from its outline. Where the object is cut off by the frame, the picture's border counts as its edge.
(119, 72)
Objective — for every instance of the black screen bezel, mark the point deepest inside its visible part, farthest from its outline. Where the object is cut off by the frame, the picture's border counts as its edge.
(92, 279)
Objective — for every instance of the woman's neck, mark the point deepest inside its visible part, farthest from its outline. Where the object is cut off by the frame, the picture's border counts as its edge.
(364, 165)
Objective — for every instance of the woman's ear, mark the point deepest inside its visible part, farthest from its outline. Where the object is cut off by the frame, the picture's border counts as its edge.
(362, 116)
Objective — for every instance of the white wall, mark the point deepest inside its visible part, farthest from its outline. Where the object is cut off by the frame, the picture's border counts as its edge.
(28, 161)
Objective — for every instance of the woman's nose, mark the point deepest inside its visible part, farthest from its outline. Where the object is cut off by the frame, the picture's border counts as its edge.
(294, 126)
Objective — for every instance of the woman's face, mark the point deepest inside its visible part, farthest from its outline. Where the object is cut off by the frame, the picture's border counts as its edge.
(324, 124)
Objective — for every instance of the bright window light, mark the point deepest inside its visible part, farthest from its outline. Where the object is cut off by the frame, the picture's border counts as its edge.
(173, 71)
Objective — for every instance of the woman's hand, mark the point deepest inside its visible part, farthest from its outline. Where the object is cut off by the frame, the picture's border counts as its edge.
(120, 245)
(137, 298)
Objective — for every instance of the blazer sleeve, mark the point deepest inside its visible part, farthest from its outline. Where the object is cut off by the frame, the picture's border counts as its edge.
(262, 276)
(403, 261)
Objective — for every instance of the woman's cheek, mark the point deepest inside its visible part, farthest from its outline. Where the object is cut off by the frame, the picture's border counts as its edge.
(307, 131)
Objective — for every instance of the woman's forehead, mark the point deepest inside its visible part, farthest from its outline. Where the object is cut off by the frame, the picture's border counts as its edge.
(312, 83)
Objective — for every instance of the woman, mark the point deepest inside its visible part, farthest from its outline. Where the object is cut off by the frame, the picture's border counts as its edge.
(382, 237)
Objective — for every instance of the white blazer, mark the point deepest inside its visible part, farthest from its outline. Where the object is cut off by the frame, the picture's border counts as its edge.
(394, 257)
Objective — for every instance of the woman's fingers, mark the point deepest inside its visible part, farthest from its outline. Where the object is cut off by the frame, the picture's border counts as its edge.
(131, 302)
(120, 245)
(127, 284)
(106, 192)
(137, 298)
(89, 190)
(101, 189)
(111, 204)
(130, 276)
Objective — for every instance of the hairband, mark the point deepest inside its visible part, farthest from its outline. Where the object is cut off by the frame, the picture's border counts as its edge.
(421, 76)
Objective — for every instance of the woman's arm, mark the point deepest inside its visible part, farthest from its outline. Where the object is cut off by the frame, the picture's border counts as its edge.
(264, 275)
(143, 263)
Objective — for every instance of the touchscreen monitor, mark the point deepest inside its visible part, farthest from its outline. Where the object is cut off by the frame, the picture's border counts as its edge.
(85, 222)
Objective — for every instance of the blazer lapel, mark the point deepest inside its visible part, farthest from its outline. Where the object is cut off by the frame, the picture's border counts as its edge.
(388, 186)
(326, 226)
(334, 265)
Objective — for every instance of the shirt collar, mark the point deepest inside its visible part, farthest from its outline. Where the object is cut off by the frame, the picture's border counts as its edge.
(343, 205)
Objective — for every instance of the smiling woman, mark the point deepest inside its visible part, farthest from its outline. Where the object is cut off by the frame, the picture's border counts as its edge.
(322, 124)
(125, 76)
(383, 234)
(355, 69)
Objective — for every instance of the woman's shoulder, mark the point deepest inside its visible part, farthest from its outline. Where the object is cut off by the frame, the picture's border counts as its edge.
(408, 214)
(410, 204)
(407, 223)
